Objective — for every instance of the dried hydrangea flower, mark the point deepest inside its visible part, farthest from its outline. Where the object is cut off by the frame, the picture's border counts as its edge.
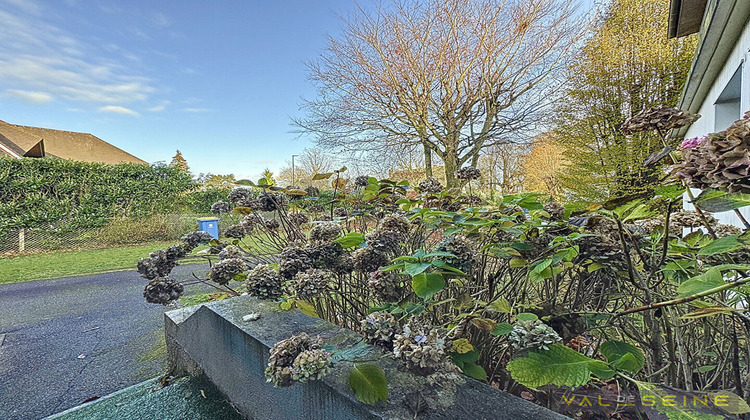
(324, 232)
(361, 181)
(380, 328)
(471, 200)
(722, 231)
(311, 365)
(468, 173)
(692, 142)
(299, 219)
(340, 212)
(315, 208)
(720, 162)
(556, 210)
(264, 282)
(217, 246)
(367, 260)
(422, 347)
(385, 241)
(250, 222)
(281, 369)
(231, 251)
(386, 287)
(396, 223)
(158, 264)
(162, 290)
(220, 207)
(534, 335)
(294, 259)
(661, 119)
(430, 185)
(269, 201)
(271, 224)
(235, 231)
(225, 270)
(327, 255)
(194, 238)
(311, 283)
(312, 191)
(462, 249)
(691, 219)
(239, 195)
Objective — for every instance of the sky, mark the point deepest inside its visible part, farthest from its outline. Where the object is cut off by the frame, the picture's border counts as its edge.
(218, 80)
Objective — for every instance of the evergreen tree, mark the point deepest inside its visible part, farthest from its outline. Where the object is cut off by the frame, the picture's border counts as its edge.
(179, 161)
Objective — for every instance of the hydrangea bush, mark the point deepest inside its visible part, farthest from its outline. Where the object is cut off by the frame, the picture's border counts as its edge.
(522, 293)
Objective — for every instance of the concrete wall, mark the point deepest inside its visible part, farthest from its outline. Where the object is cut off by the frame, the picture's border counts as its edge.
(234, 353)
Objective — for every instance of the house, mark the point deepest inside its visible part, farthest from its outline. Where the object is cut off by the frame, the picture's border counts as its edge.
(19, 141)
(718, 84)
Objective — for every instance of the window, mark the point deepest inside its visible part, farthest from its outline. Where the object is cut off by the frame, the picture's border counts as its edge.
(727, 105)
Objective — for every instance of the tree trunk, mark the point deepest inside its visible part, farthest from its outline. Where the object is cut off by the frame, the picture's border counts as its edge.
(427, 160)
(450, 160)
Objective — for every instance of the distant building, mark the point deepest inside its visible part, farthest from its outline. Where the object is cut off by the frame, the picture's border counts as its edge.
(718, 85)
(19, 141)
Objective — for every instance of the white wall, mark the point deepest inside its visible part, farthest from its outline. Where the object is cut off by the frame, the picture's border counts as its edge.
(708, 124)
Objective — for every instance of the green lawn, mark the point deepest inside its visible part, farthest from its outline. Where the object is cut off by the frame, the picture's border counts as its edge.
(72, 263)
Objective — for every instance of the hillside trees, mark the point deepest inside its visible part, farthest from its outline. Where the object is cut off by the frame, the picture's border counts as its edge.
(543, 167)
(626, 66)
(452, 77)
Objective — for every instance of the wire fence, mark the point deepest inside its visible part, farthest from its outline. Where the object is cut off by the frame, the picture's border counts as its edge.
(116, 232)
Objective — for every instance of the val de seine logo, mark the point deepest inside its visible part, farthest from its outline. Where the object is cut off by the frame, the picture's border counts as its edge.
(596, 401)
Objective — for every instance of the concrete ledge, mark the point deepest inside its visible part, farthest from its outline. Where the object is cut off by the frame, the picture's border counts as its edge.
(233, 354)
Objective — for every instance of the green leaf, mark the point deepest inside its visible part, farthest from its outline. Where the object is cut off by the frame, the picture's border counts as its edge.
(671, 192)
(706, 281)
(474, 371)
(718, 201)
(318, 177)
(350, 240)
(602, 370)
(369, 383)
(595, 266)
(360, 349)
(503, 328)
(623, 355)
(414, 269)
(501, 305)
(518, 262)
(526, 316)
(560, 365)
(306, 308)
(710, 311)
(445, 266)
(461, 359)
(704, 369)
(427, 284)
(722, 245)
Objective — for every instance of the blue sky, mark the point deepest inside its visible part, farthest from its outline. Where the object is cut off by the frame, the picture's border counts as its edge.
(218, 80)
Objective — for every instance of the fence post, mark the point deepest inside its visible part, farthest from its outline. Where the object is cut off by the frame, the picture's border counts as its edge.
(21, 240)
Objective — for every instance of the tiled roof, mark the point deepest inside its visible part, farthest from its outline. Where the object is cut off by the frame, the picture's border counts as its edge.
(17, 140)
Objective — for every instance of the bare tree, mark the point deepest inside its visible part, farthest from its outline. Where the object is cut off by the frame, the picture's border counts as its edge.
(311, 161)
(451, 76)
(502, 167)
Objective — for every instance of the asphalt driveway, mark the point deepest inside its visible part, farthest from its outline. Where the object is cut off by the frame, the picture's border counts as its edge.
(67, 340)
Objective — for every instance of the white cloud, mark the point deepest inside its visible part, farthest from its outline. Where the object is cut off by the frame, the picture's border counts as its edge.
(36, 56)
(161, 107)
(118, 110)
(196, 110)
(29, 96)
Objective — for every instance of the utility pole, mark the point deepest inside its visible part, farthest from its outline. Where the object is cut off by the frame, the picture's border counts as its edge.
(293, 169)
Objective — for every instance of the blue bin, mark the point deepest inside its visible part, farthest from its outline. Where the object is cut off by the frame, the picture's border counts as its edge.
(209, 225)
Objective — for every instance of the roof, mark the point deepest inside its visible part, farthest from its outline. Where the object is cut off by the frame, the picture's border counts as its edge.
(718, 36)
(685, 17)
(19, 141)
